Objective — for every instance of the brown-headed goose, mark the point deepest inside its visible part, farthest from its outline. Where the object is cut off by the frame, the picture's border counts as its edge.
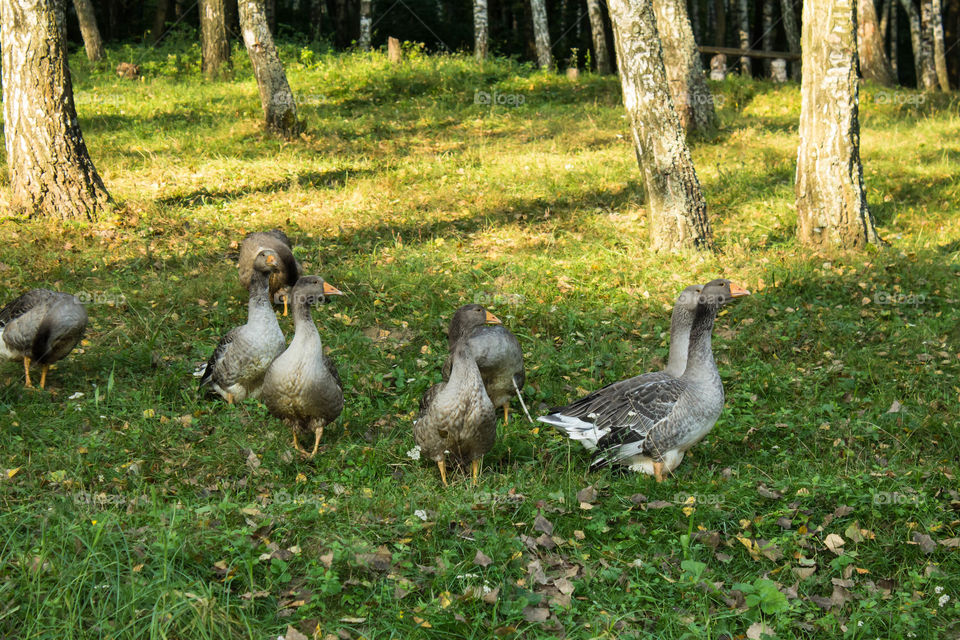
(288, 268)
(302, 386)
(498, 355)
(238, 364)
(647, 423)
(457, 420)
(41, 327)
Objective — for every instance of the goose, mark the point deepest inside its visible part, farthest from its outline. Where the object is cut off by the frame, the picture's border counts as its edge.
(680, 322)
(238, 364)
(457, 418)
(287, 273)
(498, 355)
(41, 326)
(302, 386)
(648, 424)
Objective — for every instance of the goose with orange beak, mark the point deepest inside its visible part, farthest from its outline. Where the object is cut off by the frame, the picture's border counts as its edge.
(648, 426)
(302, 386)
(457, 421)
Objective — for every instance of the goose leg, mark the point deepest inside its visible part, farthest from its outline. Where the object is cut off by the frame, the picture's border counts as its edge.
(284, 305)
(43, 375)
(317, 434)
(229, 398)
(26, 370)
(443, 471)
(296, 442)
(506, 414)
(475, 470)
(658, 471)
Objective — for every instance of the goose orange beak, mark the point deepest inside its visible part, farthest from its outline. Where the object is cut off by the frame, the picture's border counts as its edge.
(271, 260)
(737, 291)
(330, 290)
(492, 319)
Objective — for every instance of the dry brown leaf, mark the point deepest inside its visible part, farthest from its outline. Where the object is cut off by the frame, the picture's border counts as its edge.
(757, 630)
(482, 559)
(542, 524)
(834, 543)
(927, 545)
(587, 494)
(535, 614)
(293, 634)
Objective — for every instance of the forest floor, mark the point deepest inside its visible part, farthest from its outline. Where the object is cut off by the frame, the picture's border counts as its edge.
(823, 504)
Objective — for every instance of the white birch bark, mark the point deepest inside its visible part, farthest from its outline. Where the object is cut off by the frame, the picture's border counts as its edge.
(541, 33)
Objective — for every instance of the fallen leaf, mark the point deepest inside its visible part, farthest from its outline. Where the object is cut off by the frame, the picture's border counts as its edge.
(895, 407)
(542, 524)
(757, 630)
(951, 543)
(564, 586)
(293, 634)
(769, 493)
(482, 559)
(587, 494)
(659, 504)
(535, 614)
(834, 543)
(927, 545)
(803, 572)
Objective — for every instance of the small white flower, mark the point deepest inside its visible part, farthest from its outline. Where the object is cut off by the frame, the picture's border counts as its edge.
(944, 599)
(76, 395)
(860, 623)
(420, 513)
(938, 590)
(414, 454)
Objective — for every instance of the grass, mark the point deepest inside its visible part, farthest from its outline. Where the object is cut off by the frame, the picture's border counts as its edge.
(139, 510)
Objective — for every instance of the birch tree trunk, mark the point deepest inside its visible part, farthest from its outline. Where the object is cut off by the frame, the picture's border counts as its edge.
(720, 26)
(681, 58)
(214, 46)
(930, 79)
(792, 31)
(678, 211)
(831, 204)
(316, 19)
(888, 25)
(743, 33)
(766, 40)
(366, 25)
(922, 49)
(88, 29)
(695, 20)
(939, 48)
(279, 108)
(541, 33)
(599, 37)
(51, 173)
(873, 59)
(481, 29)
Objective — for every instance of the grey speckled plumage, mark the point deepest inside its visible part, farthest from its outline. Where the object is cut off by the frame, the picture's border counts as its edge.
(649, 424)
(497, 353)
(457, 420)
(238, 364)
(302, 386)
(41, 327)
(288, 269)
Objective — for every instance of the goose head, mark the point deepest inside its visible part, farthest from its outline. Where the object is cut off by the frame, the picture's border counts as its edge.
(310, 290)
(466, 319)
(267, 261)
(719, 292)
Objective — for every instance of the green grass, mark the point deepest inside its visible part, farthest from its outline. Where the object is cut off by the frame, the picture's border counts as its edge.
(141, 511)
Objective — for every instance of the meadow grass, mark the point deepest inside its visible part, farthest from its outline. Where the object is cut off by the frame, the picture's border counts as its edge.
(823, 504)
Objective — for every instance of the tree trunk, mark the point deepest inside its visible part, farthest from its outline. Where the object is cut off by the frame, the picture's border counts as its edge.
(939, 48)
(214, 46)
(922, 49)
(792, 32)
(481, 29)
(51, 173)
(681, 58)
(316, 19)
(160, 21)
(695, 21)
(88, 29)
(873, 59)
(894, 38)
(279, 108)
(541, 33)
(720, 27)
(366, 25)
(599, 36)
(270, 11)
(743, 33)
(678, 212)
(766, 40)
(831, 203)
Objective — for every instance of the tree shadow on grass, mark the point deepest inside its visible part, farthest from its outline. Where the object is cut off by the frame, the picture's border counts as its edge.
(317, 180)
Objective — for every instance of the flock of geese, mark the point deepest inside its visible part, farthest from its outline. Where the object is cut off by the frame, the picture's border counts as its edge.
(645, 423)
